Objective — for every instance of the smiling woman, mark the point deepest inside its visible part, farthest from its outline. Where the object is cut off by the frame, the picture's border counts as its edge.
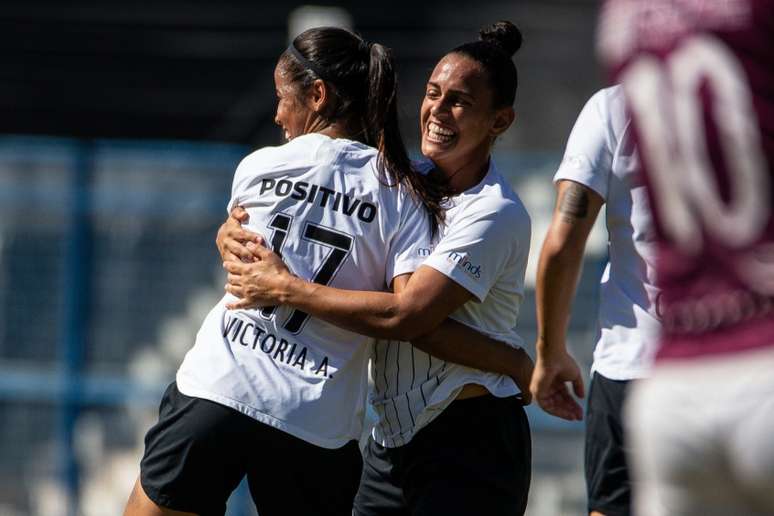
(469, 102)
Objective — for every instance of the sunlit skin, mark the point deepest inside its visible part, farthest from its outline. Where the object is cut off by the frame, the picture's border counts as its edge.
(458, 121)
(292, 115)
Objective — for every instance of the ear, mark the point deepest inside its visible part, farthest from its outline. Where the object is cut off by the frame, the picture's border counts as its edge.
(318, 96)
(504, 117)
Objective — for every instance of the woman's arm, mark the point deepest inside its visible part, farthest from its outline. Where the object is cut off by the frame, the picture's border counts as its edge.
(558, 270)
(426, 300)
(455, 342)
(260, 278)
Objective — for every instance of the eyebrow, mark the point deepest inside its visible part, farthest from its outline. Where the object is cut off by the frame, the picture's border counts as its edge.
(454, 91)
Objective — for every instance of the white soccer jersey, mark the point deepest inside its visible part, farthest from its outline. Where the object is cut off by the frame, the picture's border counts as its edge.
(320, 204)
(484, 247)
(600, 154)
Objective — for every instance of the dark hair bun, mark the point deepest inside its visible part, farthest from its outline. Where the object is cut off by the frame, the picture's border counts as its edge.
(504, 34)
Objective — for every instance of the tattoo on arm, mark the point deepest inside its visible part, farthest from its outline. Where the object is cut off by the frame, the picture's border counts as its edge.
(574, 204)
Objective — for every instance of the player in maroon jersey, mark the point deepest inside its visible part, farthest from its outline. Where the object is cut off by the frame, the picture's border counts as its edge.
(699, 81)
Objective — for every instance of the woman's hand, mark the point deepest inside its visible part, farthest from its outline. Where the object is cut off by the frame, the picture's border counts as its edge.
(256, 283)
(549, 385)
(232, 238)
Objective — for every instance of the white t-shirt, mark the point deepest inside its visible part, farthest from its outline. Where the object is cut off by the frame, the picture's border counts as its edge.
(600, 154)
(319, 203)
(484, 247)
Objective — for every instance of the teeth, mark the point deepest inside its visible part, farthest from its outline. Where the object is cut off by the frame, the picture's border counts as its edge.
(437, 129)
(439, 134)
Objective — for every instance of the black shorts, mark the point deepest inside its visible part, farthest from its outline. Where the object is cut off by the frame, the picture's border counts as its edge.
(475, 458)
(199, 451)
(607, 475)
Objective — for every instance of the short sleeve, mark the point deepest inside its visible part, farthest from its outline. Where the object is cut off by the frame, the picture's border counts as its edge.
(239, 184)
(476, 249)
(588, 157)
(411, 244)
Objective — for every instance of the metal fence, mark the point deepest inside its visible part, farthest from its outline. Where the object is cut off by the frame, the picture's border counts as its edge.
(107, 266)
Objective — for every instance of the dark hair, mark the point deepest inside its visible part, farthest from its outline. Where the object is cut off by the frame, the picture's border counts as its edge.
(494, 51)
(363, 81)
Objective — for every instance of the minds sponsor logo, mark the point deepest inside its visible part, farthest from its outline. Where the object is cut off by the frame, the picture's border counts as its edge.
(462, 261)
(424, 252)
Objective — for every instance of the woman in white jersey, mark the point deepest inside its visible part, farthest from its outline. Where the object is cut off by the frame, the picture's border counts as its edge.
(450, 439)
(272, 394)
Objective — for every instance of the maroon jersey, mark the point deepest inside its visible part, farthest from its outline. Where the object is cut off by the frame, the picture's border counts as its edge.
(699, 80)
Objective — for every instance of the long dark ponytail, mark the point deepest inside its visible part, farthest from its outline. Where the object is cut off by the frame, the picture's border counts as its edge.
(364, 83)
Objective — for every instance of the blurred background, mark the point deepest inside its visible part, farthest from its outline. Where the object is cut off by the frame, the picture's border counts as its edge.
(120, 128)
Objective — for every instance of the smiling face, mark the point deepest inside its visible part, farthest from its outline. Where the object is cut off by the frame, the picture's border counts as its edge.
(293, 115)
(458, 120)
